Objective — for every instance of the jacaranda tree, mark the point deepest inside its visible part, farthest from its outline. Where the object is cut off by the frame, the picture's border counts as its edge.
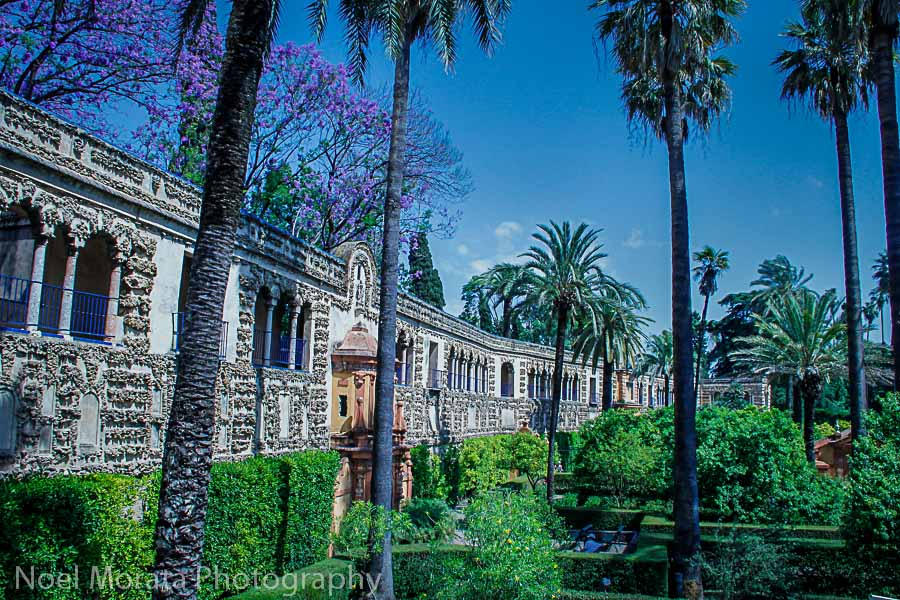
(400, 23)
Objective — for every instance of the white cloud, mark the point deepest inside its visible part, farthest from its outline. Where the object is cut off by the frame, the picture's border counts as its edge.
(635, 240)
(507, 230)
(480, 265)
(815, 182)
(462, 250)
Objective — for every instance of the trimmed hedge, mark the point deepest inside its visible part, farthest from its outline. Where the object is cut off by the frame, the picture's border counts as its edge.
(310, 583)
(311, 479)
(657, 524)
(60, 525)
(576, 517)
(644, 572)
(265, 515)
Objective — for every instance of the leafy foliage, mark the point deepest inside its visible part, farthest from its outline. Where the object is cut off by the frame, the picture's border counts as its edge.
(424, 280)
(428, 475)
(512, 554)
(485, 462)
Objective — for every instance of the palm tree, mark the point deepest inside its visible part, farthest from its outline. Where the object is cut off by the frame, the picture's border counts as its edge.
(504, 284)
(400, 23)
(801, 335)
(616, 337)
(710, 264)
(777, 276)
(882, 291)
(565, 271)
(828, 69)
(657, 360)
(664, 51)
(187, 455)
(881, 32)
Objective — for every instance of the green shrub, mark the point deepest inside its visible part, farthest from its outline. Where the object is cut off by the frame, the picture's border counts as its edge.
(428, 476)
(310, 583)
(244, 522)
(424, 520)
(311, 478)
(567, 445)
(644, 573)
(526, 453)
(450, 470)
(483, 464)
(748, 566)
(56, 525)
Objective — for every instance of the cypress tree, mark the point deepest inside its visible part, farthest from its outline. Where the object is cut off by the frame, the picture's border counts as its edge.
(425, 281)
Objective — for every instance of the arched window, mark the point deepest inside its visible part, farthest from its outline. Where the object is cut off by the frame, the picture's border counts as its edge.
(7, 423)
(261, 328)
(91, 291)
(89, 423)
(507, 376)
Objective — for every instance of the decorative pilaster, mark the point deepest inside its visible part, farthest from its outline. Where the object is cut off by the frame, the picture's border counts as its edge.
(65, 305)
(292, 350)
(270, 317)
(112, 304)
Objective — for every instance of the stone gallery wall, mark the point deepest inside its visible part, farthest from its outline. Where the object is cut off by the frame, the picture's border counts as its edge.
(81, 394)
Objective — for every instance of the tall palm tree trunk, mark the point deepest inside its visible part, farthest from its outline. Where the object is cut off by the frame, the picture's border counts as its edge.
(798, 401)
(187, 456)
(507, 316)
(810, 387)
(382, 462)
(883, 61)
(606, 402)
(701, 342)
(687, 577)
(666, 391)
(562, 317)
(857, 376)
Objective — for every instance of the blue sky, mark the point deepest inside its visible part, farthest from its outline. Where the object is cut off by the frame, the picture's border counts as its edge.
(544, 135)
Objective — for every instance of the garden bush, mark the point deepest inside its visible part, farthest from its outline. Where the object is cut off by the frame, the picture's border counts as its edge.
(644, 572)
(60, 524)
(485, 462)
(311, 478)
(264, 515)
(751, 465)
(324, 580)
(428, 475)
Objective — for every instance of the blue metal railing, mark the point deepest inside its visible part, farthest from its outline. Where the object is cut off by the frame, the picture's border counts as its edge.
(178, 332)
(259, 347)
(506, 390)
(283, 359)
(51, 304)
(14, 295)
(436, 379)
(404, 374)
(89, 314)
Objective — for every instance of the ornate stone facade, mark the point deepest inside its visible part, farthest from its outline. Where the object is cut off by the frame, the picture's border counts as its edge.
(91, 295)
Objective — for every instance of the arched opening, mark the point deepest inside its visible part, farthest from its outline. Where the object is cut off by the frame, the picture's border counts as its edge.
(17, 246)
(507, 376)
(91, 290)
(574, 394)
(262, 327)
(7, 423)
(89, 424)
(279, 340)
(403, 360)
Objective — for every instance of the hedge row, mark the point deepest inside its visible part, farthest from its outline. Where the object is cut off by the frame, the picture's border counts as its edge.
(329, 579)
(265, 515)
(643, 572)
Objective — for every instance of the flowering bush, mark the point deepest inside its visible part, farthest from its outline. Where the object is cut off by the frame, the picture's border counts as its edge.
(512, 555)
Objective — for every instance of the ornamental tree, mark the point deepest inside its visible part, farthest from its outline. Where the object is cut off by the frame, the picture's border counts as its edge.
(85, 59)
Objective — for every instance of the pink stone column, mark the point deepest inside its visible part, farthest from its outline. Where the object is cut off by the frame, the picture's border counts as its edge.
(112, 305)
(37, 277)
(65, 308)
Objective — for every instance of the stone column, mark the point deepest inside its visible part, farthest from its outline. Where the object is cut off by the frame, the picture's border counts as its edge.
(292, 351)
(37, 277)
(112, 304)
(65, 307)
(270, 316)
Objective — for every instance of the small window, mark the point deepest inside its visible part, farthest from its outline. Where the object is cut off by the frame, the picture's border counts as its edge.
(342, 405)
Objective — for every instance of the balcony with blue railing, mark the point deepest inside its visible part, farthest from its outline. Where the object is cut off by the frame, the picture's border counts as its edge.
(436, 379)
(14, 296)
(506, 390)
(403, 373)
(178, 333)
(87, 317)
(283, 358)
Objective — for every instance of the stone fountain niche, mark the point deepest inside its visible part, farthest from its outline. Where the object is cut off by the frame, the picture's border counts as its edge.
(353, 370)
